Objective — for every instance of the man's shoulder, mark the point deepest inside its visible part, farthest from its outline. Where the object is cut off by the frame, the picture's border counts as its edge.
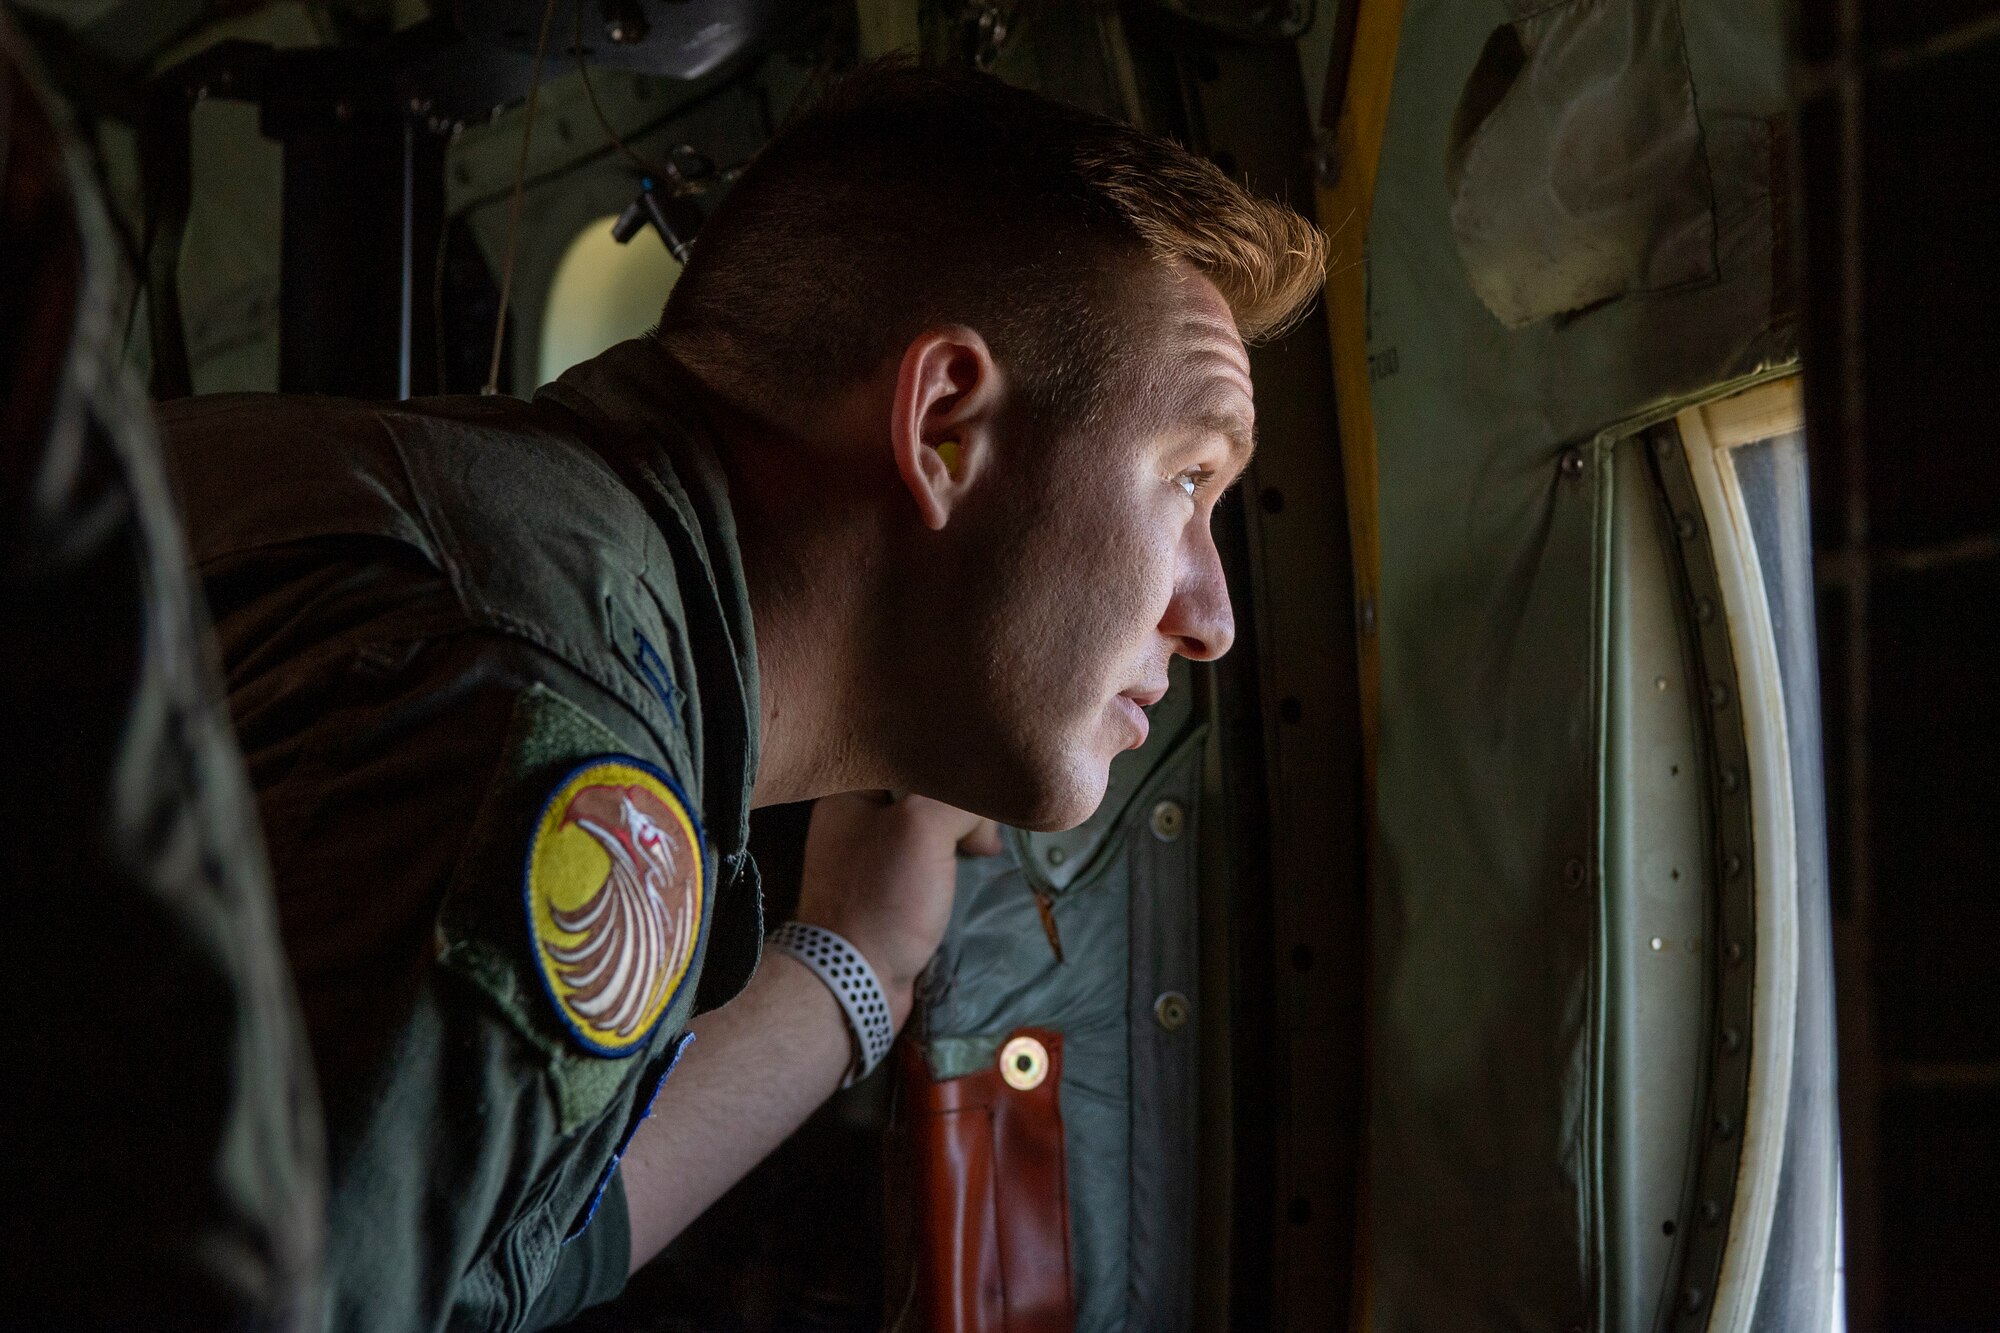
(533, 534)
(488, 461)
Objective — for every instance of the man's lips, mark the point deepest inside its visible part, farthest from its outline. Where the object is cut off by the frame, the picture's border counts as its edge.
(1136, 716)
(1133, 704)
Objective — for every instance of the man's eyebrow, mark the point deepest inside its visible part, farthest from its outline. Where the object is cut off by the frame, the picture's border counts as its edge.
(1233, 427)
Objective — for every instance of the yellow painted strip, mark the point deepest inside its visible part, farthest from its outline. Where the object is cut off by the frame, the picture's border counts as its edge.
(1344, 208)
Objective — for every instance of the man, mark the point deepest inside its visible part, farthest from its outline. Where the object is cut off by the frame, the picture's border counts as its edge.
(909, 491)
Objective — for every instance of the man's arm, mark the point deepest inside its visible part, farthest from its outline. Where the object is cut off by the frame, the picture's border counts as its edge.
(879, 872)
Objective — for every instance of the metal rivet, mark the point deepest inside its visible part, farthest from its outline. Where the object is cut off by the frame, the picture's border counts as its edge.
(1658, 944)
(1704, 610)
(1732, 865)
(1660, 684)
(1684, 525)
(1172, 1010)
(1024, 1063)
(1733, 952)
(1692, 1298)
(1663, 447)
(1168, 821)
(1572, 463)
(1718, 694)
(1057, 856)
(1730, 780)
(1711, 1211)
(1724, 1127)
(1573, 872)
(1732, 1040)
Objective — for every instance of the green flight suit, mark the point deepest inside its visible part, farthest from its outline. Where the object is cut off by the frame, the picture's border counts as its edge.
(431, 615)
(159, 1127)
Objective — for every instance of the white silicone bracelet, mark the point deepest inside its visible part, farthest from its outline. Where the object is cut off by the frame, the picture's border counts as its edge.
(853, 983)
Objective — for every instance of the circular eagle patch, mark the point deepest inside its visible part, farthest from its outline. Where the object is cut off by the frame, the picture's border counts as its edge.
(614, 894)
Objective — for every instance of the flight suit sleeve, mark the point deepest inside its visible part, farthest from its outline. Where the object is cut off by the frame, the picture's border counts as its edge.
(593, 1267)
(453, 816)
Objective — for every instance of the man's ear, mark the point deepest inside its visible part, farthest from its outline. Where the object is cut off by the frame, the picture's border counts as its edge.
(943, 417)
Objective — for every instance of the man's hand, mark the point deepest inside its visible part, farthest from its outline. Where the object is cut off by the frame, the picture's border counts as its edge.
(880, 871)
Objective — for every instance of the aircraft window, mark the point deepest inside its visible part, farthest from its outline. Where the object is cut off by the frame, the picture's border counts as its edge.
(603, 293)
(1752, 480)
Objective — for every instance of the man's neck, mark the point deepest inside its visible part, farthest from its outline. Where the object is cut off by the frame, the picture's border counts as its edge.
(809, 580)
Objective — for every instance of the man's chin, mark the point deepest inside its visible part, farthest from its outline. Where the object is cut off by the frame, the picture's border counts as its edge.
(1064, 801)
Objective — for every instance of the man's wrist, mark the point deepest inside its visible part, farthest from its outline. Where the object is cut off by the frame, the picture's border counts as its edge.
(898, 987)
(855, 984)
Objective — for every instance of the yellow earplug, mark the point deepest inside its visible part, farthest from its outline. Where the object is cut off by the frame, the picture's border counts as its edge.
(948, 451)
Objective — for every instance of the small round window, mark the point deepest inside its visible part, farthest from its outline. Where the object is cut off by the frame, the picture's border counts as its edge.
(603, 293)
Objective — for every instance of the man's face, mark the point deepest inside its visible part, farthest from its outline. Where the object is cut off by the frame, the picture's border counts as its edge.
(1106, 564)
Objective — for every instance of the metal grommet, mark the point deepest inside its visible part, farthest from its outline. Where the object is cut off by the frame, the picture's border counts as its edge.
(1172, 1010)
(1024, 1063)
(1056, 856)
(1168, 821)
(1571, 463)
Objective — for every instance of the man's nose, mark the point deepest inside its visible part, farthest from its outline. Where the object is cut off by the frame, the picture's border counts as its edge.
(1199, 621)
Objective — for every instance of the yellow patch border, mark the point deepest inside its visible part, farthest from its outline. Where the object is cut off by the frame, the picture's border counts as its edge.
(539, 895)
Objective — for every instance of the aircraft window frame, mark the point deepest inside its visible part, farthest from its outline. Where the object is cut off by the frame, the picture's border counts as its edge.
(1745, 456)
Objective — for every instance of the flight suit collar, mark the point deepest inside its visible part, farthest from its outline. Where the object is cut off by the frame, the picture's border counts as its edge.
(649, 423)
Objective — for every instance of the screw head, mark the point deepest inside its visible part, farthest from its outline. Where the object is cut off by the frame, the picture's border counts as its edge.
(1172, 1010)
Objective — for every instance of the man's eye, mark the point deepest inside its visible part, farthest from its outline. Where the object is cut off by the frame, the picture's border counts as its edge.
(1194, 481)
